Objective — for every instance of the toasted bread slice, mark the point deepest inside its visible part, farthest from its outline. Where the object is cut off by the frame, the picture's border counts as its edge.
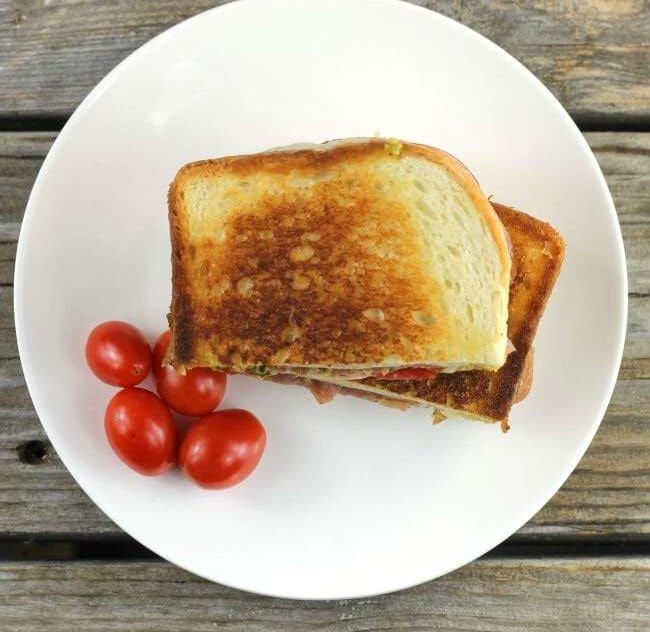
(353, 255)
(537, 255)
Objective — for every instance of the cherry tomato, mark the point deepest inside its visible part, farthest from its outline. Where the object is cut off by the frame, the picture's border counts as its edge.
(410, 374)
(222, 449)
(196, 393)
(118, 354)
(141, 431)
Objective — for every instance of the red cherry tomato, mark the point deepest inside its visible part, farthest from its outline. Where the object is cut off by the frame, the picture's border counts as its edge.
(118, 354)
(222, 449)
(410, 374)
(196, 393)
(141, 431)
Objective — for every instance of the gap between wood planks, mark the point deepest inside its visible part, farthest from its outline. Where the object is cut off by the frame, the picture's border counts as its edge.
(123, 548)
(595, 122)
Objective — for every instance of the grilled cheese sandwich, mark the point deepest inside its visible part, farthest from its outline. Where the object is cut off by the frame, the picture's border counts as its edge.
(340, 261)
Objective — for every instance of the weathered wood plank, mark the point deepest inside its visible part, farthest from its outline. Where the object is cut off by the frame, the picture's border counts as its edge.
(498, 595)
(7, 258)
(623, 156)
(608, 495)
(594, 55)
(625, 161)
(21, 156)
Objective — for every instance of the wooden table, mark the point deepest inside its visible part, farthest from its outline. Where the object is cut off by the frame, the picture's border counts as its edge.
(583, 563)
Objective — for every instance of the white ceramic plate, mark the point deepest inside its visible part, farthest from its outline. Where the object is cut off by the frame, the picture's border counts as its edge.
(351, 499)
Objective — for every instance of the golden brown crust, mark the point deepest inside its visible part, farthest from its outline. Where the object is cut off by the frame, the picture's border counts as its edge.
(299, 298)
(526, 380)
(538, 253)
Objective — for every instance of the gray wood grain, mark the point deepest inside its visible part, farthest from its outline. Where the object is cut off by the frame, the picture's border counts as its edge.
(593, 54)
(489, 595)
(607, 496)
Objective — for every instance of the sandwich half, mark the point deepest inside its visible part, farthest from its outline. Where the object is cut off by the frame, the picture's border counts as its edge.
(537, 256)
(348, 260)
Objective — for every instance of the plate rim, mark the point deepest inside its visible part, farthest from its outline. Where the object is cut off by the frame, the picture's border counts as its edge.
(527, 511)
